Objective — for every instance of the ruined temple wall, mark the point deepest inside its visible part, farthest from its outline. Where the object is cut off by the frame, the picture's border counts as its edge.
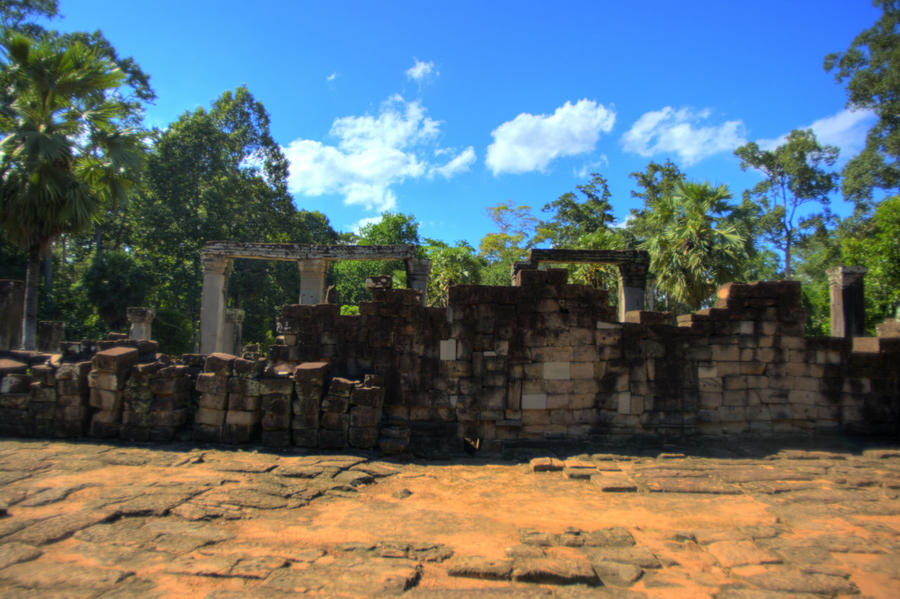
(539, 360)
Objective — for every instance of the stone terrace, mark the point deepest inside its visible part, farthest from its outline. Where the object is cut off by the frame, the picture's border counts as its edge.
(725, 520)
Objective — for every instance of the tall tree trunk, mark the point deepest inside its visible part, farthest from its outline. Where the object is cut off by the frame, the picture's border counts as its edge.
(98, 239)
(48, 280)
(32, 276)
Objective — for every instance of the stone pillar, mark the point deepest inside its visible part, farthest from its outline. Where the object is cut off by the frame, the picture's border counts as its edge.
(216, 270)
(12, 302)
(50, 334)
(632, 286)
(848, 309)
(417, 273)
(312, 280)
(140, 319)
(232, 331)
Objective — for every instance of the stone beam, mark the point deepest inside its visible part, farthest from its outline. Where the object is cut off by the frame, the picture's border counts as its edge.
(588, 256)
(302, 251)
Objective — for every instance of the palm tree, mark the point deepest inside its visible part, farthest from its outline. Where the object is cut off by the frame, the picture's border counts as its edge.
(693, 248)
(64, 151)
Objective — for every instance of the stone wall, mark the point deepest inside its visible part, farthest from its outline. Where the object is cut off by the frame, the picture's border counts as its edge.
(539, 360)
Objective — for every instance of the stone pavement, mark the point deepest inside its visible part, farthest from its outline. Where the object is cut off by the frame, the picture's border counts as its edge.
(86, 520)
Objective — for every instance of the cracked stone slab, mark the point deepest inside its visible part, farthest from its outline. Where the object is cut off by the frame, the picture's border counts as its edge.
(690, 485)
(797, 581)
(354, 577)
(58, 528)
(62, 576)
(202, 565)
(53, 495)
(617, 573)
(545, 570)
(639, 556)
(14, 553)
(257, 566)
(740, 553)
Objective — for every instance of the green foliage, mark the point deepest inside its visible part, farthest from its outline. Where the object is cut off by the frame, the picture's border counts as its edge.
(874, 244)
(516, 231)
(695, 248)
(18, 15)
(574, 218)
(349, 310)
(114, 281)
(172, 329)
(451, 265)
(66, 145)
(871, 68)
(349, 277)
(795, 174)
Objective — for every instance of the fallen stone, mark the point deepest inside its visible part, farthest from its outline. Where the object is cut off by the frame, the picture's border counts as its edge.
(617, 573)
(61, 576)
(690, 485)
(609, 537)
(554, 571)
(639, 556)
(522, 550)
(202, 565)
(546, 464)
(618, 483)
(795, 581)
(480, 567)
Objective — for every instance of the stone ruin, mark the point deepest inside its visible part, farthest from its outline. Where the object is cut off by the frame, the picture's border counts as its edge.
(540, 360)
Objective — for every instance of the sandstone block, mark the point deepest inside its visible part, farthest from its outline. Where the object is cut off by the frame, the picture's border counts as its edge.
(213, 401)
(341, 387)
(335, 404)
(372, 397)
(305, 437)
(207, 433)
(219, 363)
(363, 417)
(106, 400)
(115, 359)
(244, 403)
(362, 437)
(210, 417)
(334, 421)
(534, 401)
(101, 379)
(238, 417)
(210, 382)
(332, 439)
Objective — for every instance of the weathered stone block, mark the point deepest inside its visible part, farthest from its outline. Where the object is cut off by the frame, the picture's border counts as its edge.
(332, 439)
(334, 421)
(367, 396)
(362, 437)
(305, 437)
(276, 412)
(210, 417)
(219, 363)
(534, 401)
(116, 359)
(557, 371)
(361, 416)
(244, 403)
(334, 404)
(213, 401)
(341, 387)
(106, 400)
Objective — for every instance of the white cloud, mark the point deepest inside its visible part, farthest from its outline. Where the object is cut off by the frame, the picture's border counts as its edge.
(420, 71)
(846, 130)
(530, 142)
(331, 77)
(680, 132)
(459, 164)
(372, 154)
(586, 169)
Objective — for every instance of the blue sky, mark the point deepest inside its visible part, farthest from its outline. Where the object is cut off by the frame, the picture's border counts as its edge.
(444, 109)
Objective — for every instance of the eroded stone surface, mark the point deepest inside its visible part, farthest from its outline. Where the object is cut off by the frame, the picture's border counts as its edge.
(92, 520)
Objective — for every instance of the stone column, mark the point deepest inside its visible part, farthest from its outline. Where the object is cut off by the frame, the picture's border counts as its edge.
(50, 334)
(216, 270)
(312, 280)
(12, 302)
(632, 286)
(848, 309)
(140, 319)
(232, 331)
(417, 273)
